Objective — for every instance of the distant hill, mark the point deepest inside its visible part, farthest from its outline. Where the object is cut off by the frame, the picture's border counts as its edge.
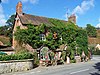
(98, 33)
(92, 40)
(5, 40)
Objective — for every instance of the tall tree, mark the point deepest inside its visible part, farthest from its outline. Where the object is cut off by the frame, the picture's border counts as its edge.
(10, 21)
(91, 30)
(7, 29)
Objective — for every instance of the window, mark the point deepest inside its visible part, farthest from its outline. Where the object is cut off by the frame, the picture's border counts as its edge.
(42, 37)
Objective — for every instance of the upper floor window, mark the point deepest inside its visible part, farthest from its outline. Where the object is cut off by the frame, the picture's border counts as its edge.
(42, 37)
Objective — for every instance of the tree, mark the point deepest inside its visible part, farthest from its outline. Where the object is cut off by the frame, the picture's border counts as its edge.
(10, 21)
(7, 29)
(91, 30)
(82, 41)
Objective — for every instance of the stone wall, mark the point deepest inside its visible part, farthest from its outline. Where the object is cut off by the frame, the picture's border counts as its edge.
(16, 65)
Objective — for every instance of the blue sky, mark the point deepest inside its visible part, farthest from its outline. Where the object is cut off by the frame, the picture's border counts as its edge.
(87, 11)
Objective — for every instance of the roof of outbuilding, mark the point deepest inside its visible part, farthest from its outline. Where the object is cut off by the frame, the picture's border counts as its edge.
(6, 48)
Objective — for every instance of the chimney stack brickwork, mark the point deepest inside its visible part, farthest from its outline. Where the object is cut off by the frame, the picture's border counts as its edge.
(19, 8)
(17, 22)
(72, 18)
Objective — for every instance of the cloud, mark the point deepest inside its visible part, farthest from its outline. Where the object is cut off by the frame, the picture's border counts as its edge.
(2, 16)
(31, 1)
(85, 6)
(98, 25)
(24, 1)
(34, 1)
(4, 1)
(82, 8)
(66, 16)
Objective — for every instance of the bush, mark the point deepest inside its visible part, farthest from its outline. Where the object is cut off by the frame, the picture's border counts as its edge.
(96, 52)
(36, 60)
(16, 56)
(73, 61)
(5, 40)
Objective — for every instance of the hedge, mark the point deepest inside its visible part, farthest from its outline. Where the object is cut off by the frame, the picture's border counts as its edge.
(16, 56)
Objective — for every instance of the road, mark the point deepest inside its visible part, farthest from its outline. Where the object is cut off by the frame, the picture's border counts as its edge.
(85, 68)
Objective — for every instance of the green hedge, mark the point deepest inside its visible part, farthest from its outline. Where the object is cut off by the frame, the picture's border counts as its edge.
(36, 60)
(16, 56)
(96, 52)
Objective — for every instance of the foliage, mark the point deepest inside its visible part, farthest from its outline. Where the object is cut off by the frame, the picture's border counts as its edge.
(63, 55)
(19, 56)
(73, 61)
(5, 40)
(96, 52)
(21, 50)
(7, 29)
(82, 41)
(91, 30)
(36, 60)
(51, 55)
(67, 33)
(30, 36)
(10, 21)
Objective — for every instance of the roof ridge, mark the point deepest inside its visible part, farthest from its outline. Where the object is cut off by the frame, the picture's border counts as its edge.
(45, 17)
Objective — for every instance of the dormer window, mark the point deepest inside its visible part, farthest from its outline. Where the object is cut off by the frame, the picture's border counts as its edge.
(42, 37)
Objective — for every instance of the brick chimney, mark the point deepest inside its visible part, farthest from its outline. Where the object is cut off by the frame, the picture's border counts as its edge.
(72, 18)
(19, 8)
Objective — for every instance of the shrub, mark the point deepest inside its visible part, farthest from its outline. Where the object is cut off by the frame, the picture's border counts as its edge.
(73, 61)
(51, 55)
(16, 56)
(36, 60)
(96, 52)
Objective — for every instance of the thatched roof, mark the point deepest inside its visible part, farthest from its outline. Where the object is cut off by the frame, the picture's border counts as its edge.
(35, 20)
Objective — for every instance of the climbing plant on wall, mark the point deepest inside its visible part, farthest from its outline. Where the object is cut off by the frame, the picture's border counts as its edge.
(58, 33)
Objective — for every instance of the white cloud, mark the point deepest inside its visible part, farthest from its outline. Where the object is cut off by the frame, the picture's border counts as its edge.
(98, 25)
(34, 1)
(24, 1)
(4, 1)
(85, 6)
(82, 8)
(66, 16)
(2, 16)
(31, 1)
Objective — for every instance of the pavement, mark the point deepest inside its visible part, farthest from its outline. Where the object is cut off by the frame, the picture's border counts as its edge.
(91, 67)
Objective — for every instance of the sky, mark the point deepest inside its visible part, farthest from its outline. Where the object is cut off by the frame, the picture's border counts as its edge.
(87, 11)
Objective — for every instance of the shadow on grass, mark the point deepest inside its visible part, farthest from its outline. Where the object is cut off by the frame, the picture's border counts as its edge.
(96, 66)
